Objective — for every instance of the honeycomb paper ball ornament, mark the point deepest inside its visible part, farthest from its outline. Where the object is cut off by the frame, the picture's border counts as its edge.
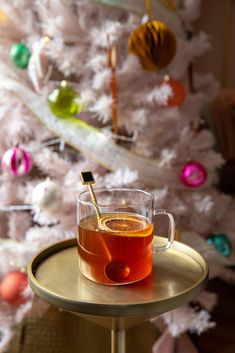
(221, 242)
(154, 43)
(177, 93)
(12, 287)
(64, 101)
(16, 161)
(193, 174)
(47, 195)
(20, 55)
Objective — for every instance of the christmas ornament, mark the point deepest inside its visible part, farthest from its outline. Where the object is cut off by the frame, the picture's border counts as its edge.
(39, 70)
(82, 136)
(47, 195)
(193, 174)
(16, 161)
(64, 101)
(154, 43)
(177, 95)
(221, 242)
(20, 55)
(12, 287)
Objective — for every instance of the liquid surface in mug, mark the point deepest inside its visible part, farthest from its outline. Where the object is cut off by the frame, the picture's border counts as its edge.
(117, 249)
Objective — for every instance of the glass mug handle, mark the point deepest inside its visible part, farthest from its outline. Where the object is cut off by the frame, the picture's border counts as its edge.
(171, 231)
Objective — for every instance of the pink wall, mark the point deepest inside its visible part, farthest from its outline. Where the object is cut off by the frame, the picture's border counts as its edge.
(213, 18)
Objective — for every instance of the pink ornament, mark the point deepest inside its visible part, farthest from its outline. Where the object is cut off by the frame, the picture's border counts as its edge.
(193, 174)
(12, 287)
(16, 161)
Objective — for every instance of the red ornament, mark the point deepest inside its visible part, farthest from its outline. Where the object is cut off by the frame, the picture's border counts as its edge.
(177, 93)
(193, 174)
(16, 161)
(12, 287)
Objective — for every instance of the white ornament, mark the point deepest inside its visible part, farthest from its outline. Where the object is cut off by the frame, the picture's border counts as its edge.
(38, 69)
(47, 195)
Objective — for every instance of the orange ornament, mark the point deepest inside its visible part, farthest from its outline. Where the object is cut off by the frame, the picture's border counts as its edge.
(178, 93)
(12, 287)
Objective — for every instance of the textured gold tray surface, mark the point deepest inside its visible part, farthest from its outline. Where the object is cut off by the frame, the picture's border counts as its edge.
(178, 276)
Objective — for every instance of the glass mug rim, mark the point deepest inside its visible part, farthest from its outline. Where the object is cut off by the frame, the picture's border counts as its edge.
(149, 197)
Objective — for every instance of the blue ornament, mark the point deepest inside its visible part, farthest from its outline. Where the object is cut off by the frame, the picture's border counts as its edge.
(221, 242)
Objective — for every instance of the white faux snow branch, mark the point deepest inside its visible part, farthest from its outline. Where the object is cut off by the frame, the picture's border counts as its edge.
(92, 142)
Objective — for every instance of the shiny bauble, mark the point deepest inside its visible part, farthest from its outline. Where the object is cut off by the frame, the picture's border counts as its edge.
(20, 55)
(193, 174)
(64, 101)
(154, 43)
(178, 93)
(16, 161)
(221, 242)
(12, 287)
(47, 195)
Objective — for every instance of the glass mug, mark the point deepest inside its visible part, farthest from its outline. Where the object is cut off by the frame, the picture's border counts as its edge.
(117, 247)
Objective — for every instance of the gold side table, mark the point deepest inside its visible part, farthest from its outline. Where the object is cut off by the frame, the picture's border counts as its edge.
(178, 276)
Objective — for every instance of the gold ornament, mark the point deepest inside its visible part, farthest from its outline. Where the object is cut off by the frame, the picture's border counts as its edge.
(154, 43)
(3, 16)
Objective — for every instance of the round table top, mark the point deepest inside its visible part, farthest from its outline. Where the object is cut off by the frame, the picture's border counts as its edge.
(179, 275)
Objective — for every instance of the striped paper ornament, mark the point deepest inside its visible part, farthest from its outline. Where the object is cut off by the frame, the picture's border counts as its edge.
(16, 161)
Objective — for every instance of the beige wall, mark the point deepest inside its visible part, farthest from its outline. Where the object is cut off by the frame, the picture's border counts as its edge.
(215, 14)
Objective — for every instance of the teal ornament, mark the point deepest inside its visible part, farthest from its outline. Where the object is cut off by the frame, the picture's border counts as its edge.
(20, 55)
(64, 101)
(221, 242)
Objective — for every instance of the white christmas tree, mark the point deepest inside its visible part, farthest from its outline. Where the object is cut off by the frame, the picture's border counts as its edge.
(130, 125)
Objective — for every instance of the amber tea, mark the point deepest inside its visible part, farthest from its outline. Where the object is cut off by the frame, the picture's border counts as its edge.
(115, 233)
(116, 249)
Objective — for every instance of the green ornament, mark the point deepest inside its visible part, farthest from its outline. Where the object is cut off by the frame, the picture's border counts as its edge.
(221, 242)
(64, 101)
(20, 55)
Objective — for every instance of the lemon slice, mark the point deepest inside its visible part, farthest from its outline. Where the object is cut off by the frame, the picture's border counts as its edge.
(125, 223)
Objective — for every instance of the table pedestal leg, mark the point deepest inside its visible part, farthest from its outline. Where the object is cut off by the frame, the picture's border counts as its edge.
(118, 341)
(117, 326)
